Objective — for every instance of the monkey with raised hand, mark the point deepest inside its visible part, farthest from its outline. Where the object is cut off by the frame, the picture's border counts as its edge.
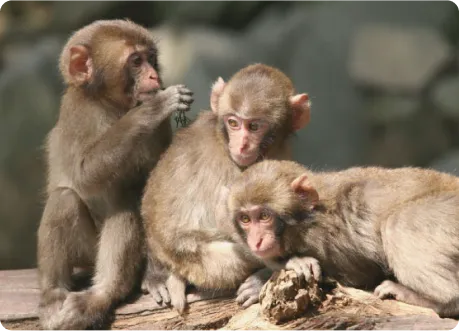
(253, 116)
(362, 226)
(113, 125)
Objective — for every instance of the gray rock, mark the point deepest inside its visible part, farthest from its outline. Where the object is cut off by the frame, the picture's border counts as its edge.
(73, 13)
(384, 109)
(447, 163)
(216, 13)
(397, 57)
(446, 96)
(414, 140)
(29, 102)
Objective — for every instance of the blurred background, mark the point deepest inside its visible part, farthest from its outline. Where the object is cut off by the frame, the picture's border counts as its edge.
(383, 78)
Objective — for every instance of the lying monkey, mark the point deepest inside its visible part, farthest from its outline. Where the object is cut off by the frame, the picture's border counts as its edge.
(398, 228)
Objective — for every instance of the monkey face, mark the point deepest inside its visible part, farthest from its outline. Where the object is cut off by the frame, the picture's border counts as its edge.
(258, 226)
(142, 68)
(244, 138)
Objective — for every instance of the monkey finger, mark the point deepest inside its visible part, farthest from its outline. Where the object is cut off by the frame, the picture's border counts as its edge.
(183, 107)
(385, 290)
(164, 294)
(243, 297)
(250, 301)
(316, 270)
(297, 267)
(244, 286)
(186, 98)
(156, 295)
(184, 90)
(305, 272)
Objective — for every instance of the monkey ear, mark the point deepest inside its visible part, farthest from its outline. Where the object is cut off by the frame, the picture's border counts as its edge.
(301, 110)
(217, 90)
(303, 188)
(80, 64)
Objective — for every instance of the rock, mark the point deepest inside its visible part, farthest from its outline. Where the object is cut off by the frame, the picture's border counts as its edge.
(412, 141)
(446, 96)
(75, 14)
(447, 163)
(397, 57)
(220, 13)
(384, 109)
(29, 100)
(286, 296)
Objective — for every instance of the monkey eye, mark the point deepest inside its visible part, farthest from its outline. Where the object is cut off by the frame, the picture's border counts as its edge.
(254, 126)
(152, 59)
(244, 219)
(136, 60)
(264, 216)
(233, 123)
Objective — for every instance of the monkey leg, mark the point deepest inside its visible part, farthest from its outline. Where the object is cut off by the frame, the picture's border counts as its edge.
(402, 293)
(420, 242)
(66, 238)
(118, 263)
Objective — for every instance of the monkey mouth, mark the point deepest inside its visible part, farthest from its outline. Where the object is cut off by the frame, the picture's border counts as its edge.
(245, 160)
(142, 96)
(266, 253)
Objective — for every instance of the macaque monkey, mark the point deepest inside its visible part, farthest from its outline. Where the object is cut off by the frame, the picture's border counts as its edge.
(112, 127)
(253, 116)
(361, 226)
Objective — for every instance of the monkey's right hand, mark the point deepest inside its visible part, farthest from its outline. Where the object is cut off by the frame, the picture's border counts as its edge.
(308, 267)
(155, 284)
(175, 98)
(166, 288)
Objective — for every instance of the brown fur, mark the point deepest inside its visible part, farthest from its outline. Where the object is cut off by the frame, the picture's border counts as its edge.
(99, 154)
(185, 190)
(370, 224)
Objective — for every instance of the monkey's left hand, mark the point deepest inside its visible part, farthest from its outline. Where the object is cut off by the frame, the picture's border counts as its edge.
(305, 266)
(249, 292)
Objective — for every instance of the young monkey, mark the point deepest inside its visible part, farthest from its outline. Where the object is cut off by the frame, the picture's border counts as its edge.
(363, 226)
(113, 126)
(253, 116)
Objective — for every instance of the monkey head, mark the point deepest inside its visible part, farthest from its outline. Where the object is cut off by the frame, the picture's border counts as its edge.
(267, 202)
(113, 61)
(257, 111)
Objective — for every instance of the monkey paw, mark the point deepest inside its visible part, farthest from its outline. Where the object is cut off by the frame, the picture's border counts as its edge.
(308, 267)
(249, 291)
(389, 289)
(177, 98)
(81, 310)
(50, 304)
(157, 289)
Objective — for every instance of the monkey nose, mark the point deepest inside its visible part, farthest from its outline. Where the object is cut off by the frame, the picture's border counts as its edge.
(259, 243)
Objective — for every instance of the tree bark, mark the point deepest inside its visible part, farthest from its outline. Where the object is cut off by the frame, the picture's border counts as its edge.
(343, 308)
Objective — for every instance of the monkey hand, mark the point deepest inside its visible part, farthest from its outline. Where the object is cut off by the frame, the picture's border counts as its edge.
(305, 266)
(249, 291)
(166, 288)
(389, 289)
(155, 284)
(175, 98)
(154, 110)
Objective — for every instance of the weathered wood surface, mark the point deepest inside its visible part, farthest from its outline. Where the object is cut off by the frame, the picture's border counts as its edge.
(345, 308)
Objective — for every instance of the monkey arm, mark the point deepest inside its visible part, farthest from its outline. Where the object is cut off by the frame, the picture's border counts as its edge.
(112, 157)
(216, 264)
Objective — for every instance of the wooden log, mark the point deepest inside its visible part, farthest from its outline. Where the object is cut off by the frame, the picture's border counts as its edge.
(343, 308)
